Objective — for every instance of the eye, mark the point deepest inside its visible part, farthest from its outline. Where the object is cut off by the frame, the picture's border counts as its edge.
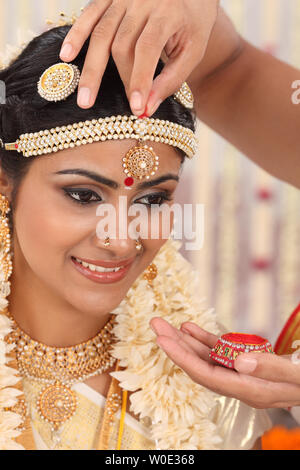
(154, 199)
(82, 196)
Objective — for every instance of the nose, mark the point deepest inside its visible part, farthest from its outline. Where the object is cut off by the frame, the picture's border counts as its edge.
(124, 241)
(119, 248)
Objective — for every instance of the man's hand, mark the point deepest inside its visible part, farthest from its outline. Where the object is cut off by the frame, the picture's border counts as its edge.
(138, 33)
(260, 380)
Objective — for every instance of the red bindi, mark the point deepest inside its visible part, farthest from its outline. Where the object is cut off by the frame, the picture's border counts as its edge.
(129, 181)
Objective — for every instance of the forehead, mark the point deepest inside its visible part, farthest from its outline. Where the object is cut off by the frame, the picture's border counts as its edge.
(105, 157)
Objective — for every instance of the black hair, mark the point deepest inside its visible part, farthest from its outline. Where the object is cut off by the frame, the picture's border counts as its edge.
(26, 111)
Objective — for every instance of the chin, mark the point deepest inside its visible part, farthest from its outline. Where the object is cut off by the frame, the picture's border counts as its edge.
(95, 304)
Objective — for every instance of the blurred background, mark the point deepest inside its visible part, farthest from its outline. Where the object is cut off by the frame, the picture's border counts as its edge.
(250, 267)
(249, 263)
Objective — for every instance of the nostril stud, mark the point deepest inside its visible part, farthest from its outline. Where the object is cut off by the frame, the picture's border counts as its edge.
(138, 244)
(107, 241)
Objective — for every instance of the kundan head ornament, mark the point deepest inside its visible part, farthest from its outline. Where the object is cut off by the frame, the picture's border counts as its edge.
(61, 80)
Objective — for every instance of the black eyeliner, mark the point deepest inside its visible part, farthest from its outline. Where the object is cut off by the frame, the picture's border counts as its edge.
(166, 195)
(68, 191)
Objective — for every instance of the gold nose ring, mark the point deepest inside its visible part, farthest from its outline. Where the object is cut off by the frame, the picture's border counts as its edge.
(107, 241)
(138, 244)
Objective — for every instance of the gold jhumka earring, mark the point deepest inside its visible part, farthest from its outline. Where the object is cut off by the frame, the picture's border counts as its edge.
(5, 250)
(150, 274)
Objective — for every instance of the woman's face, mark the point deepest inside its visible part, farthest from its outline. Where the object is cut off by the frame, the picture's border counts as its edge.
(55, 222)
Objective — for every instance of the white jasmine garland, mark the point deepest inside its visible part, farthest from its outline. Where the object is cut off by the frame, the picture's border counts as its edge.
(9, 421)
(178, 408)
(12, 51)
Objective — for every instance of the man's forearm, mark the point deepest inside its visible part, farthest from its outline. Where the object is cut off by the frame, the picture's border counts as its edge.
(245, 94)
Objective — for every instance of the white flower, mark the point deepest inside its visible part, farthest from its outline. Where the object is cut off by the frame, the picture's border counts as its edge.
(9, 421)
(8, 377)
(5, 326)
(3, 303)
(163, 392)
(8, 396)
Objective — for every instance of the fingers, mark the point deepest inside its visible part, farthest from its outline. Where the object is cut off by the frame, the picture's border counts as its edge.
(162, 328)
(270, 367)
(123, 47)
(185, 50)
(135, 40)
(147, 53)
(136, 33)
(171, 78)
(266, 366)
(216, 378)
(255, 392)
(201, 335)
(98, 54)
(185, 350)
(82, 28)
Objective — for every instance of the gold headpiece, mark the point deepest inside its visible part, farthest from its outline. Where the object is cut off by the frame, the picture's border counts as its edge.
(141, 161)
(109, 128)
(61, 80)
(185, 96)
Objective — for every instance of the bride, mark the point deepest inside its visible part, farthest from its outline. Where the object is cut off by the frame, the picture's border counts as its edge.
(79, 365)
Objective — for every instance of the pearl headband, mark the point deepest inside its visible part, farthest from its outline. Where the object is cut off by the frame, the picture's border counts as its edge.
(61, 80)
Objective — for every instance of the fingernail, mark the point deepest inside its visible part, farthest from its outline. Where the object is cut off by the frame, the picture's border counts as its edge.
(142, 116)
(136, 101)
(84, 96)
(245, 365)
(66, 51)
(151, 110)
(184, 330)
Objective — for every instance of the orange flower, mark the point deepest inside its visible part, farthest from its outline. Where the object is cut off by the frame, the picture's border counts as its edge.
(280, 438)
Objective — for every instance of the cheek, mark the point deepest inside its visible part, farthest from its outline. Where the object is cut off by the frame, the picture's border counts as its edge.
(44, 227)
(153, 224)
(162, 227)
(151, 248)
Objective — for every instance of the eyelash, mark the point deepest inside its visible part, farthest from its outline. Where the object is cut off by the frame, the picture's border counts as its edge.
(165, 196)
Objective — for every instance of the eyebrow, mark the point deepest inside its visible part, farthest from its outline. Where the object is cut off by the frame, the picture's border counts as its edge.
(113, 184)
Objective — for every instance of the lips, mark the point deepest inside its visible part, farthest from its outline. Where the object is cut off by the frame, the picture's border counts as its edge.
(108, 264)
(103, 277)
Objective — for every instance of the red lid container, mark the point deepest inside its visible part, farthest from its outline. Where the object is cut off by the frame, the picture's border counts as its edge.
(231, 345)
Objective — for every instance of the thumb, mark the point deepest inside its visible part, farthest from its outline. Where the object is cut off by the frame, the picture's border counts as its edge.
(245, 364)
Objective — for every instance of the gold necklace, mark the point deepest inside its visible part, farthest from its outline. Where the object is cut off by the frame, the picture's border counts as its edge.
(59, 369)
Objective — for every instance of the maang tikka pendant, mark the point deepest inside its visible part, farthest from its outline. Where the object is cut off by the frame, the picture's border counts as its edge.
(141, 161)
